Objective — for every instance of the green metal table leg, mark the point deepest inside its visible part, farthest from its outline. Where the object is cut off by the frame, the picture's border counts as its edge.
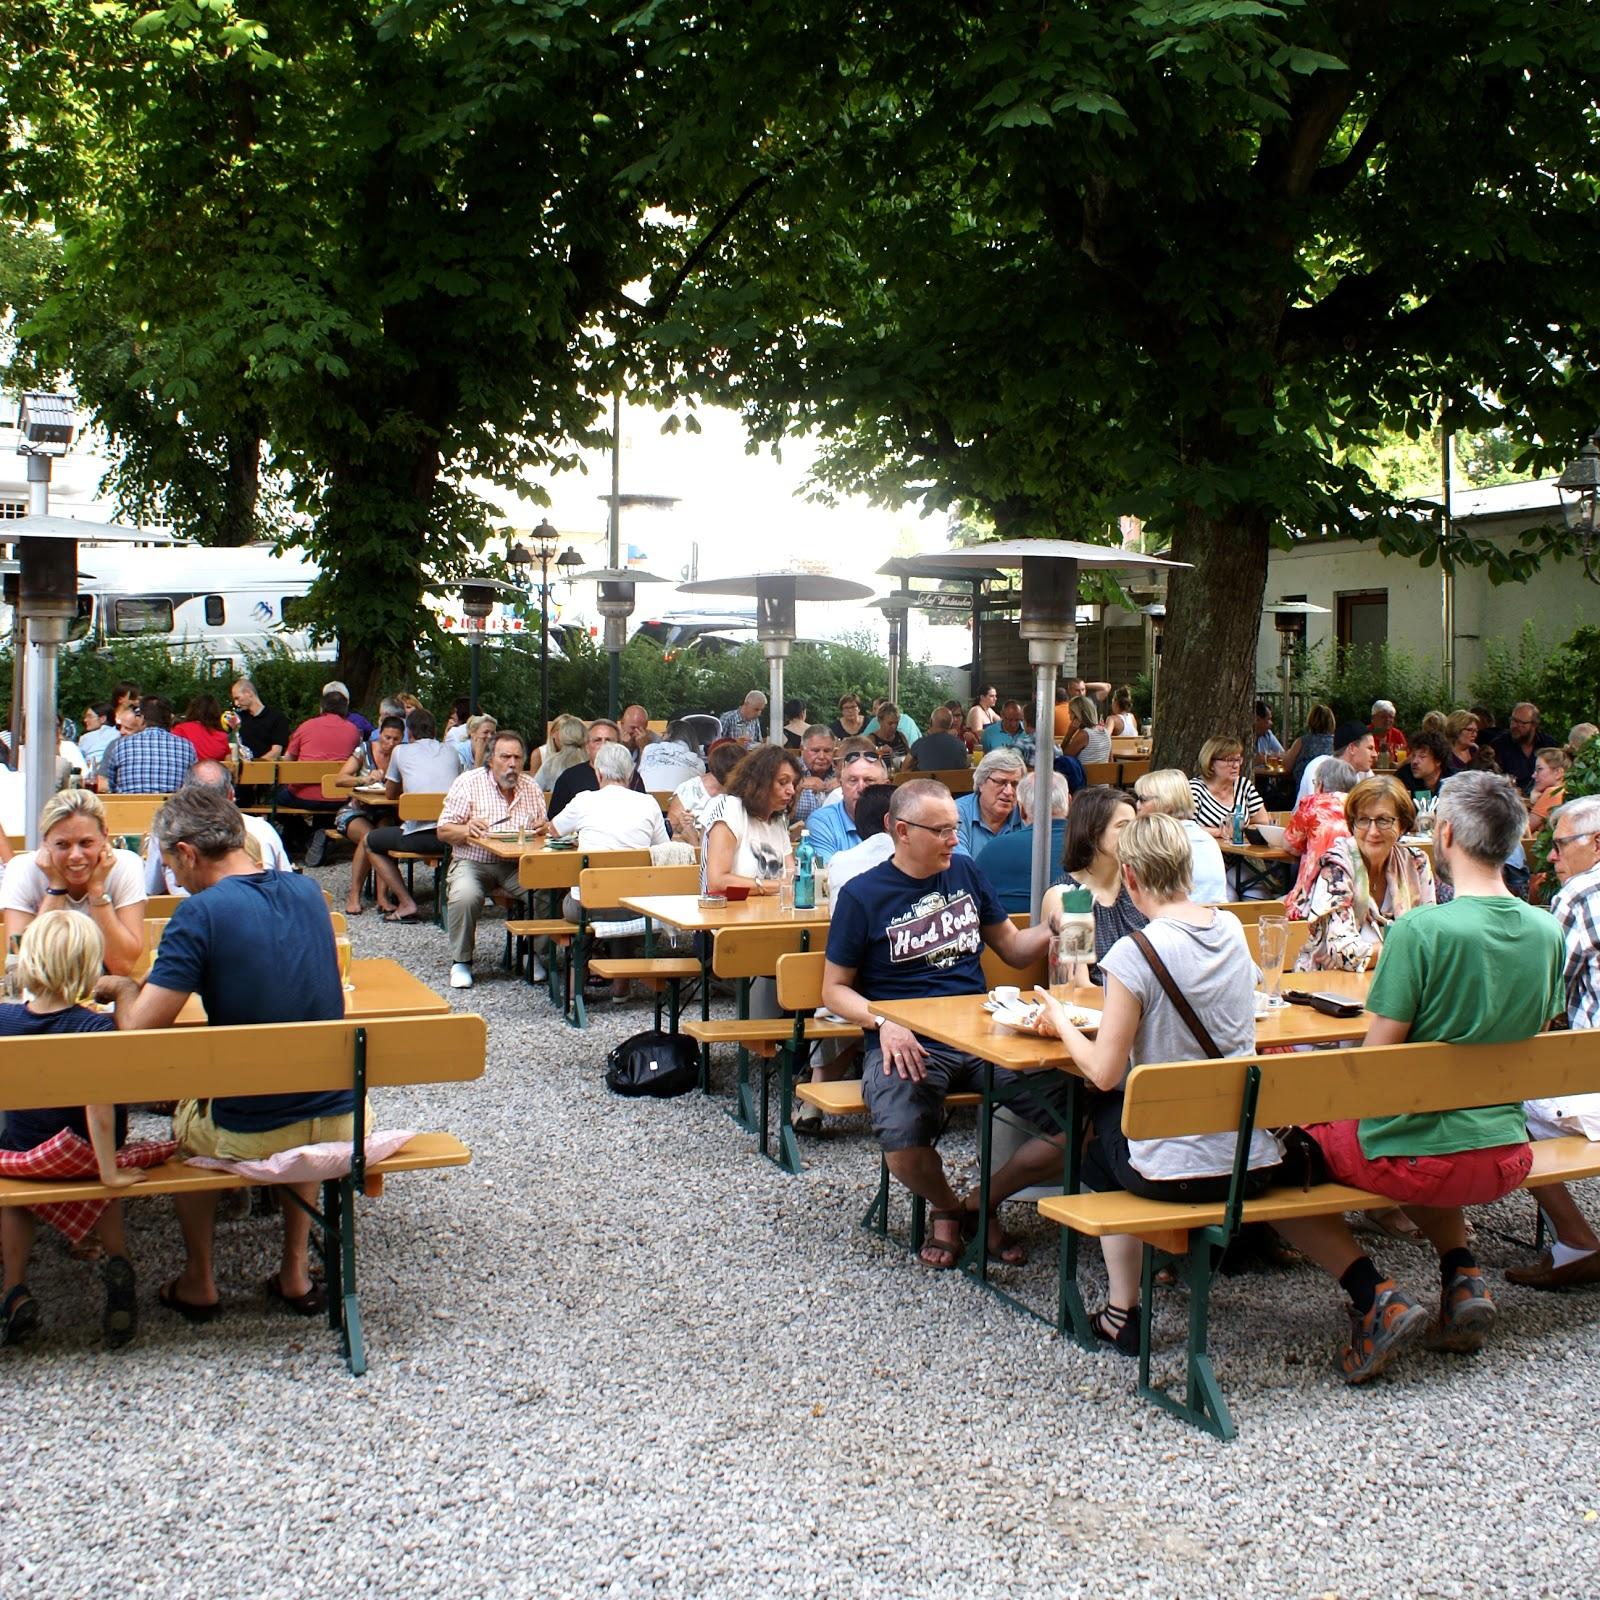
(744, 1110)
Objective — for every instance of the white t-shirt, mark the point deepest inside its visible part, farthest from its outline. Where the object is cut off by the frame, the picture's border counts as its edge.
(843, 865)
(1205, 860)
(694, 799)
(26, 882)
(665, 766)
(760, 847)
(424, 767)
(613, 817)
(158, 878)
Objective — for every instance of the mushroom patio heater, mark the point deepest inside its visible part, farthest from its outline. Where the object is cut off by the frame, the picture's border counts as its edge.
(1049, 623)
(896, 609)
(1579, 487)
(615, 601)
(478, 593)
(776, 594)
(1288, 616)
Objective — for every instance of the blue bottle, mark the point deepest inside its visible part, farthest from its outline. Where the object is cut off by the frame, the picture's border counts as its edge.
(805, 875)
(1238, 824)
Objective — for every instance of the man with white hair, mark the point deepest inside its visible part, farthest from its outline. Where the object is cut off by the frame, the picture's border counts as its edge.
(613, 816)
(1574, 1258)
(832, 826)
(1008, 859)
(743, 723)
(1385, 736)
(261, 839)
(991, 808)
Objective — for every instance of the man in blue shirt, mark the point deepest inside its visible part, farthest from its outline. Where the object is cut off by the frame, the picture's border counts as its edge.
(256, 947)
(915, 927)
(1008, 732)
(1008, 859)
(832, 826)
(991, 808)
(149, 760)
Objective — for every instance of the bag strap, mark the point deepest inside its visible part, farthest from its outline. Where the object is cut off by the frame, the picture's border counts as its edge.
(1175, 995)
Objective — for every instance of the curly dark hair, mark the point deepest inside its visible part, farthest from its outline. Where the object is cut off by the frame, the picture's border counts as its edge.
(751, 781)
(203, 708)
(1091, 813)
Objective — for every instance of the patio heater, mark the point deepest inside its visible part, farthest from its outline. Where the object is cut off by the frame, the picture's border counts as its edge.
(897, 610)
(478, 593)
(776, 594)
(615, 601)
(1049, 623)
(1288, 617)
(1579, 487)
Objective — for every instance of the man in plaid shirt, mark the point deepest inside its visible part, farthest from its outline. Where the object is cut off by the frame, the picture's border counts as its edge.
(743, 723)
(150, 760)
(498, 798)
(1574, 1258)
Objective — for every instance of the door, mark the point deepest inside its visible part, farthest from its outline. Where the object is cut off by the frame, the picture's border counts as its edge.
(1363, 621)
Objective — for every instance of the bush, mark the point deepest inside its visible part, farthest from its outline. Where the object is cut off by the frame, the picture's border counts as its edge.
(1563, 679)
(1349, 680)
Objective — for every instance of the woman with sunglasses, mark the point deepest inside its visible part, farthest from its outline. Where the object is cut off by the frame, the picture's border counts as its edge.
(1364, 882)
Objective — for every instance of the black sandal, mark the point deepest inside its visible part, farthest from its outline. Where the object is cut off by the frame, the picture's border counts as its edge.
(1119, 1327)
(19, 1315)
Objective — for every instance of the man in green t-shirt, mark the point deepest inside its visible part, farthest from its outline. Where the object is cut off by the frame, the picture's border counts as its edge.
(1483, 969)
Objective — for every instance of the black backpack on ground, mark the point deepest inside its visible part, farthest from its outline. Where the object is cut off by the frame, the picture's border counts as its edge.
(657, 1064)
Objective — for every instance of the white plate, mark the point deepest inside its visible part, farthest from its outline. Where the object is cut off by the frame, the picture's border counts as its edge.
(1021, 1021)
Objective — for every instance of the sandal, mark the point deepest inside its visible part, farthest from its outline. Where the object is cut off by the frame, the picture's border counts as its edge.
(189, 1310)
(1006, 1251)
(1393, 1221)
(1118, 1326)
(408, 917)
(951, 1249)
(120, 1321)
(310, 1304)
(19, 1315)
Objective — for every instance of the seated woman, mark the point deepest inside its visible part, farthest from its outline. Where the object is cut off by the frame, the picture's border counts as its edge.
(1166, 793)
(1549, 785)
(1121, 723)
(1461, 730)
(1086, 739)
(747, 831)
(1094, 824)
(1222, 789)
(564, 750)
(1316, 826)
(474, 749)
(59, 965)
(1316, 741)
(1201, 953)
(76, 870)
(202, 727)
(849, 724)
(368, 763)
(1364, 882)
(691, 800)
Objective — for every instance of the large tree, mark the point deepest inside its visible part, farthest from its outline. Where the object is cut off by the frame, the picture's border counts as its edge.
(379, 240)
(1183, 258)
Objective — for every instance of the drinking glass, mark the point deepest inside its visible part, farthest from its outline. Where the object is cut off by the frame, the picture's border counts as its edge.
(786, 888)
(341, 943)
(1272, 932)
(1067, 958)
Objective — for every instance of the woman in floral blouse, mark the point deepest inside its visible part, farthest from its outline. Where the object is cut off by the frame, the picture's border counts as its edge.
(1316, 826)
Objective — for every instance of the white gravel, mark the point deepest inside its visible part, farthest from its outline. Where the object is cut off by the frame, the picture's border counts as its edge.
(619, 1354)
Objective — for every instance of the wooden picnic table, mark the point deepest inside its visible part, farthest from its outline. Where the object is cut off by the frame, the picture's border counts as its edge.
(383, 988)
(1258, 864)
(685, 911)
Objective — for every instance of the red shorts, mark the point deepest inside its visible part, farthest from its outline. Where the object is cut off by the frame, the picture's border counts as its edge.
(1464, 1178)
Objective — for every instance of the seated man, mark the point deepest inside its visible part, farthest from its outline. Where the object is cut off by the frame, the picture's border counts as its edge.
(1484, 969)
(484, 800)
(940, 749)
(911, 928)
(612, 817)
(256, 947)
(821, 777)
(1008, 860)
(329, 736)
(149, 758)
(422, 765)
(877, 843)
(991, 808)
(635, 730)
(832, 826)
(1008, 732)
(581, 778)
(262, 842)
(743, 723)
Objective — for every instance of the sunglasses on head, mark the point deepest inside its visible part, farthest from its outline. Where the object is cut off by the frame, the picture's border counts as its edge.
(860, 755)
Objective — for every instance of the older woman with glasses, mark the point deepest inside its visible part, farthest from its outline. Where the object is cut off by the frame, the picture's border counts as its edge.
(1222, 789)
(1364, 882)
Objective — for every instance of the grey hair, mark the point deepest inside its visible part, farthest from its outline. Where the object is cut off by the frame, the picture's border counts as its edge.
(614, 761)
(1384, 705)
(1060, 797)
(754, 694)
(390, 707)
(1485, 813)
(1335, 776)
(1002, 760)
(208, 822)
(817, 730)
(1584, 812)
(210, 775)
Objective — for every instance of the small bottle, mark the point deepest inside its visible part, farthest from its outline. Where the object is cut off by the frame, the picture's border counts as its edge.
(805, 874)
(1238, 824)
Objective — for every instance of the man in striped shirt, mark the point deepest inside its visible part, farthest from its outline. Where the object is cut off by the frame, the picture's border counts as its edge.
(1574, 1258)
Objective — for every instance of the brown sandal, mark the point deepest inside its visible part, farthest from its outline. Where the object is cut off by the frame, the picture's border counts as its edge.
(954, 1249)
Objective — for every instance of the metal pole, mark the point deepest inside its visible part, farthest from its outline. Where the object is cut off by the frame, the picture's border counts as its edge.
(976, 686)
(1447, 580)
(544, 646)
(39, 763)
(1044, 706)
(1049, 624)
(777, 649)
(472, 684)
(616, 636)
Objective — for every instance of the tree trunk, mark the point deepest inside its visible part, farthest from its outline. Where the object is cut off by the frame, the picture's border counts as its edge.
(1208, 668)
(357, 668)
(241, 488)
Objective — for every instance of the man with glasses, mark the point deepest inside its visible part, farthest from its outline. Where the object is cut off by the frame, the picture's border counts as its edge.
(991, 809)
(832, 825)
(1008, 732)
(914, 927)
(1517, 748)
(583, 778)
(1574, 1258)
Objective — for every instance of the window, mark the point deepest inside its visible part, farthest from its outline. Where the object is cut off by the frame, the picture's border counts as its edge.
(216, 612)
(13, 510)
(142, 616)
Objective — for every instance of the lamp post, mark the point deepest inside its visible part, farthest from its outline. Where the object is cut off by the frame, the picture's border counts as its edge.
(545, 539)
(1579, 487)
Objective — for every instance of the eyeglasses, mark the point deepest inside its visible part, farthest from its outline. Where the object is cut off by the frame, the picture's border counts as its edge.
(1382, 824)
(948, 833)
(1560, 839)
(1004, 783)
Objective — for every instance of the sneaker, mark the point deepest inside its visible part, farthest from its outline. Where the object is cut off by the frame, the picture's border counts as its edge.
(1394, 1322)
(809, 1122)
(538, 973)
(460, 976)
(121, 1319)
(1466, 1313)
(316, 848)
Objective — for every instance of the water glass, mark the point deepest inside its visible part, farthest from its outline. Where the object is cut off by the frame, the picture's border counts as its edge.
(1272, 934)
(1067, 958)
(786, 888)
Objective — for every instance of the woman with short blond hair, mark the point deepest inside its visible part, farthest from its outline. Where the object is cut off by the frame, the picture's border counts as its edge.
(1166, 792)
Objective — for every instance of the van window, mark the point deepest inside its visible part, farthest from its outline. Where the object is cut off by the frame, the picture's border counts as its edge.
(216, 612)
(84, 619)
(143, 616)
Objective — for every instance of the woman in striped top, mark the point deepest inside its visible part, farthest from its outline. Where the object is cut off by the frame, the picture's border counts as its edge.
(1223, 788)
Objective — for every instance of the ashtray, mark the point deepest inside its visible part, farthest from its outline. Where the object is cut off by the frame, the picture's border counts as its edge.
(713, 902)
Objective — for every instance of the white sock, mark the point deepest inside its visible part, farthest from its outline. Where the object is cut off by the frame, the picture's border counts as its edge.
(1562, 1255)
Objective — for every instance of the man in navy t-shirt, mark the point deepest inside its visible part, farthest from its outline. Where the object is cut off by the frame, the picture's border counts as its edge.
(256, 947)
(914, 927)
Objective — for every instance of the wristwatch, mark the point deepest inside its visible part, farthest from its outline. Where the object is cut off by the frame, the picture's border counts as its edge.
(876, 1021)
(103, 900)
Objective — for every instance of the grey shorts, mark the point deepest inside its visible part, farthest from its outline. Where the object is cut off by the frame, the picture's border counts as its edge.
(907, 1115)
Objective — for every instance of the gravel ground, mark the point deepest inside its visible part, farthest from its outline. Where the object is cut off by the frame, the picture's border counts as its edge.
(619, 1354)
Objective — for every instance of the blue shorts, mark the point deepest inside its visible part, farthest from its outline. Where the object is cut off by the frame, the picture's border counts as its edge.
(909, 1115)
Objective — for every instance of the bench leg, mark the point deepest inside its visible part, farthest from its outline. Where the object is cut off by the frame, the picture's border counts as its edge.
(332, 1260)
(1202, 1403)
(788, 1144)
(744, 1110)
(354, 1344)
(876, 1216)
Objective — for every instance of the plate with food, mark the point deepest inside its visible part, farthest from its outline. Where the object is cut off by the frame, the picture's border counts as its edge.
(1022, 1016)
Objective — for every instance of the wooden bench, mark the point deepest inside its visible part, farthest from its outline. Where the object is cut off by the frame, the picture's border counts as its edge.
(605, 886)
(273, 775)
(129, 816)
(958, 780)
(424, 807)
(1250, 912)
(1165, 1101)
(280, 1058)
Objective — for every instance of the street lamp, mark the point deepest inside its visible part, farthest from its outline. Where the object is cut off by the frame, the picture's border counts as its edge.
(1579, 486)
(545, 539)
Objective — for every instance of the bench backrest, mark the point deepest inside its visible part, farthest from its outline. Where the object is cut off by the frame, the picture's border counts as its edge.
(663, 798)
(161, 906)
(996, 971)
(258, 772)
(1250, 912)
(1332, 1085)
(754, 952)
(1299, 932)
(131, 813)
(421, 807)
(958, 780)
(1109, 772)
(269, 1058)
(605, 886)
(561, 869)
(800, 981)
(1131, 770)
